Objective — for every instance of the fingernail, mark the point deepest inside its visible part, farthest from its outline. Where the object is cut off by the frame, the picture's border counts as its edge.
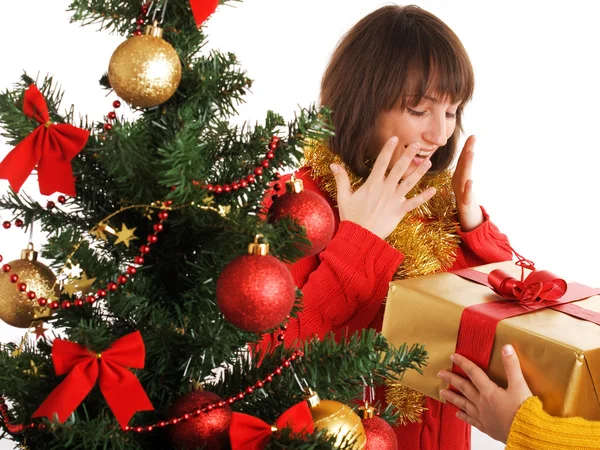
(334, 168)
(414, 147)
(442, 393)
(394, 140)
(452, 358)
(439, 375)
(508, 350)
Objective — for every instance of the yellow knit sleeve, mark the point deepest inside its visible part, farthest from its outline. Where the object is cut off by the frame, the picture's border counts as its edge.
(534, 429)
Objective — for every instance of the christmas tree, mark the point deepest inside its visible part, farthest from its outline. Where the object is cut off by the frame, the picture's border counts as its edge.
(166, 270)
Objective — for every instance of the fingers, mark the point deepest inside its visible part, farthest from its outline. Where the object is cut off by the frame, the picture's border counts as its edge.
(418, 200)
(383, 160)
(467, 152)
(467, 388)
(512, 366)
(342, 182)
(402, 164)
(467, 197)
(409, 182)
(470, 420)
(460, 402)
(479, 378)
(464, 165)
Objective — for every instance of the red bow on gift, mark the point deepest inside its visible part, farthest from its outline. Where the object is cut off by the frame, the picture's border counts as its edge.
(540, 285)
(250, 433)
(50, 146)
(121, 388)
(202, 9)
(540, 290)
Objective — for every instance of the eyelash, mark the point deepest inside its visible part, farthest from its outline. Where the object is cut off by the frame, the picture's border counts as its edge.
(422, 113)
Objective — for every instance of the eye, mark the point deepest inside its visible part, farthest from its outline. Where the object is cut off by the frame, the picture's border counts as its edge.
(450, 115)
(416, 113)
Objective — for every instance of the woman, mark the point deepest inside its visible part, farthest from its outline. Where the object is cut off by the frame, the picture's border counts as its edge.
(513, 415)
(396, 84)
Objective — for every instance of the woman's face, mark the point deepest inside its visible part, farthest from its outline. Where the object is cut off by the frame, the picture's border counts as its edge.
(429, 123)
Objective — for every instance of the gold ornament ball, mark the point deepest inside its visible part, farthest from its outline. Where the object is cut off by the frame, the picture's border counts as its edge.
(145, 70)
(15, 308)
(339, 419)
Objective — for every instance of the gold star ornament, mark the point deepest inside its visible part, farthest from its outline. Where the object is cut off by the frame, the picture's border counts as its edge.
(125, 236)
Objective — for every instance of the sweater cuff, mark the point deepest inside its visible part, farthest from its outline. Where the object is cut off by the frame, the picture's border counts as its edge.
(383, 257)
(479, 239)
(533, 428)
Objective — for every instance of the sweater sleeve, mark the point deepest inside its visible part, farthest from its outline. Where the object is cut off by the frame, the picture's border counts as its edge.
(343, 287)
(352, 279)
(534, 429)
(483, 245)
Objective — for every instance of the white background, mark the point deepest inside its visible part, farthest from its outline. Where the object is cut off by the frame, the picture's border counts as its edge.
(535, 111)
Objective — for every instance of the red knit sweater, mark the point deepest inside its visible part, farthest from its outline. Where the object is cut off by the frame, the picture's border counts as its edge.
(343, 291)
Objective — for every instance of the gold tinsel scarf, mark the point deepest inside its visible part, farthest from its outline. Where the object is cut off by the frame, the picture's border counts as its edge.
(427, 236)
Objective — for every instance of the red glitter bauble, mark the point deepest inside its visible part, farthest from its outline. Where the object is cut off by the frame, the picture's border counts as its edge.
(312, 212)
(208, 430)
(380, 435)
(255, 293)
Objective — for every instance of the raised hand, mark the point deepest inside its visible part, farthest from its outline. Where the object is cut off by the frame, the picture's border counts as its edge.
(381, 203)
(484, 404)
(469, 212)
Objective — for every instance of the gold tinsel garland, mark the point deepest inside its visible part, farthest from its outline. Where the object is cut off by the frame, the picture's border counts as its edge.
(427, 236)
(409, 402)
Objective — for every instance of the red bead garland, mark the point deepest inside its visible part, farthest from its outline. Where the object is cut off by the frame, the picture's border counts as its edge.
(141, 19)
(286, 363)
(249, 179)
(100, 293)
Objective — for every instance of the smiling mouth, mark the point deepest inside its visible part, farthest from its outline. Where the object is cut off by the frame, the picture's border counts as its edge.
(424, 154)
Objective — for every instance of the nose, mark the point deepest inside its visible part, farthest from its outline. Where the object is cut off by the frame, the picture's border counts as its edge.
(436, 130)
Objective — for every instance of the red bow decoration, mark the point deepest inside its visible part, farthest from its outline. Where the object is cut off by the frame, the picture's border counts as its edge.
(250, 433)
(540, 290)
(50, 146)
(202, 9)
(540, 285)
(121, 388)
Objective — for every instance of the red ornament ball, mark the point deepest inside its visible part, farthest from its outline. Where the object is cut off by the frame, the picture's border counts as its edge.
(380, 435)
(255, 293)
(312, 212)
(207, 430)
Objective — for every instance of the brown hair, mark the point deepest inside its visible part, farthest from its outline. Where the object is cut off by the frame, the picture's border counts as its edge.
(389, 59)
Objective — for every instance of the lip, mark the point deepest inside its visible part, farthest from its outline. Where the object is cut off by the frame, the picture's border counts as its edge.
(418, 160)
(426, 153)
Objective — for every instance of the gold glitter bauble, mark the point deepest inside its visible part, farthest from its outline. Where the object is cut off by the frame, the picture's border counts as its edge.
(15, 308)
(339, 419)
(145, 70)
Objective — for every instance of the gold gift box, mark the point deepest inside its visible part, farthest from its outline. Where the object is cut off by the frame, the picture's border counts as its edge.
(559, 354)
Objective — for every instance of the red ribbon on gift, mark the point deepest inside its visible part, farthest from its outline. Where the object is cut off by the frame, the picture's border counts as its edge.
(121, 388)
(50, 147)
(202, 9)
(250, 433)
(540, 290)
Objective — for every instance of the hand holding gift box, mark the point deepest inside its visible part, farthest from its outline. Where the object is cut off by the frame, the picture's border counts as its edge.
(554, 327)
